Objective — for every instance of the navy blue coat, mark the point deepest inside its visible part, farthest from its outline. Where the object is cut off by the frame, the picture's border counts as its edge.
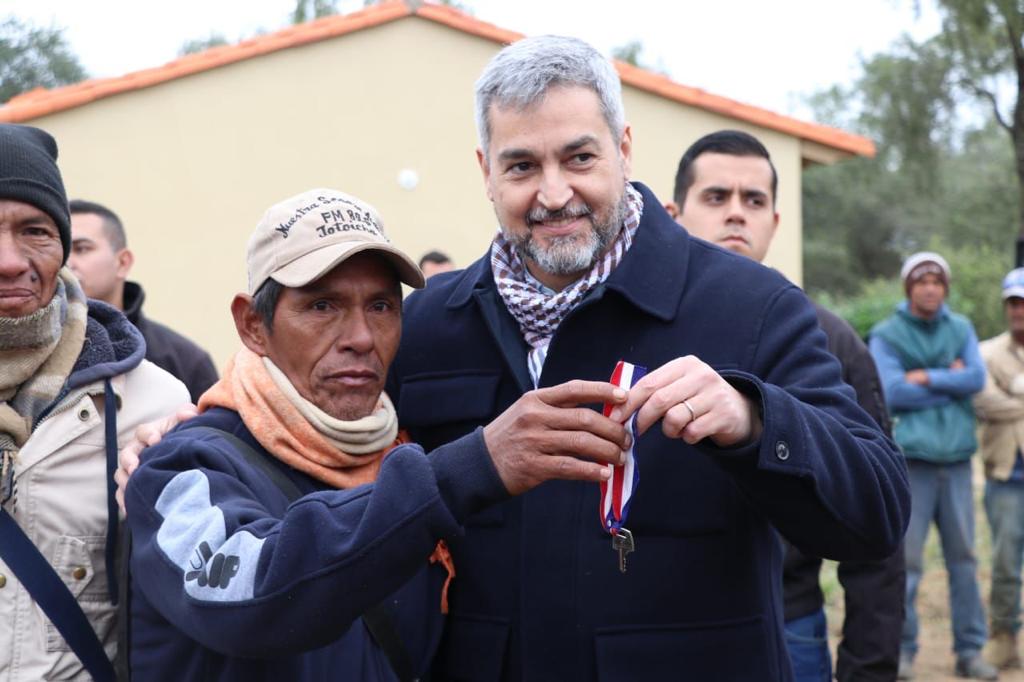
(538, 594)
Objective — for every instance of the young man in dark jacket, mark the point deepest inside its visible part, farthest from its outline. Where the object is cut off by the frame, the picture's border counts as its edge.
(757, 429)
(725, 190)
(101, 260)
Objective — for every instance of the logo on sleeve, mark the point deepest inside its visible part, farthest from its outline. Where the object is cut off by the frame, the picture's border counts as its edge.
(215, 570)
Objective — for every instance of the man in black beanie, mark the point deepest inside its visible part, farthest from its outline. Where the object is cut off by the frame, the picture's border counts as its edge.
(73, 386)
(28, 173)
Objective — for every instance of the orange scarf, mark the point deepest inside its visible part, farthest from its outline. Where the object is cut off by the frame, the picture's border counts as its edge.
(247, 388)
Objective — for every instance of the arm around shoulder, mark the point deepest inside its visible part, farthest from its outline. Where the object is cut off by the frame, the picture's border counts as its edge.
(147, 394)
(220, 552)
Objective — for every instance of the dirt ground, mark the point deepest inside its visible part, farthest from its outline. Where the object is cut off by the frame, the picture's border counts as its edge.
(935, 660)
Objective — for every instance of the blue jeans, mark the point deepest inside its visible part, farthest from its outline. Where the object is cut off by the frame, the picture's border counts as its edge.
(807, 642)
(1004, 506)
(942, 493)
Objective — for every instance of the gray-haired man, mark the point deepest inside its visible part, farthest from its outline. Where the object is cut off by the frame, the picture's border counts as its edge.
(756, 425)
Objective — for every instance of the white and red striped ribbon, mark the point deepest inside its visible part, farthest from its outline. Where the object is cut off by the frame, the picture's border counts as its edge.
(617, 491)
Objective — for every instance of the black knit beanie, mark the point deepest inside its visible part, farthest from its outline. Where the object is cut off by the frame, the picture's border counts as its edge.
(29, 173)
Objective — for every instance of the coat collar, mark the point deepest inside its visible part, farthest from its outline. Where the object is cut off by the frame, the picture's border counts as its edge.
(652, 276)
(903, 309)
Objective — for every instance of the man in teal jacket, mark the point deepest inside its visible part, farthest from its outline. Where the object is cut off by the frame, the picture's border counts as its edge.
(930, 367)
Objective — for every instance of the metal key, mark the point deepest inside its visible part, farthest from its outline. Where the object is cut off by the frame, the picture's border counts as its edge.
(622, 542)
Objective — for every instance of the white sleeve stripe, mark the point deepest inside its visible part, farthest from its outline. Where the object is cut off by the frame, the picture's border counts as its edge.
(215, 568)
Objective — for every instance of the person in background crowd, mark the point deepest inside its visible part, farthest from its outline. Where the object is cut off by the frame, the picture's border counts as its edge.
(434, 262)
(101, 260)
(73, 388)
(1000, 410)
(725, 193)
(927, 357)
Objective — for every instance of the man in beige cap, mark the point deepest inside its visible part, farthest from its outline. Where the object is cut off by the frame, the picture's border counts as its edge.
(1000, 411)
(265, 528)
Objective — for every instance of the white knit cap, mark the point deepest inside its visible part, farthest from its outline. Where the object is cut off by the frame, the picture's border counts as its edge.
(912, 266)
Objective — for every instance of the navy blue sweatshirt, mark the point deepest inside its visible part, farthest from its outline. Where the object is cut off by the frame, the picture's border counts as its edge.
(231, 582)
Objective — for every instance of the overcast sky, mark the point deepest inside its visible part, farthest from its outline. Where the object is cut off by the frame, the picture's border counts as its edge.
(771, 54)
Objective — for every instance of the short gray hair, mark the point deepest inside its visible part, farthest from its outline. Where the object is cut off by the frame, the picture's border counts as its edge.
(520, 75)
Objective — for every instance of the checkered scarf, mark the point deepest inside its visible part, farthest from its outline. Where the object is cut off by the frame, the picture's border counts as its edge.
(539, 313)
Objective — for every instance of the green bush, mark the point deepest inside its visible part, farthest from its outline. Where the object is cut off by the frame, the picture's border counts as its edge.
(874, 302)
(977, 280)
(978, 272)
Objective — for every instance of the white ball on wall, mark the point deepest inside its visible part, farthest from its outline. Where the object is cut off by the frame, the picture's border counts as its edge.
(408, 179)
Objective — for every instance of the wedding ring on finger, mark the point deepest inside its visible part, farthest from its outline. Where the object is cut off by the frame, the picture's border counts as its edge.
(693, 415)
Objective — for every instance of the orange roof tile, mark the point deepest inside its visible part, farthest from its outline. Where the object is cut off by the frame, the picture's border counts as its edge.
(41, 102)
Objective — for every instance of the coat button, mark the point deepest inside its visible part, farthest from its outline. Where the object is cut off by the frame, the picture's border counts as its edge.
(3, 581)
(782, 450)
(83, 414)
(78, 573)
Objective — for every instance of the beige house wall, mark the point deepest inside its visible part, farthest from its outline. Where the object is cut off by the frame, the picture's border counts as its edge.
(191, 164)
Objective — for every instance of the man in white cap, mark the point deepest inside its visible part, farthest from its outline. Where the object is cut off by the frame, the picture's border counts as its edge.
(1000, 408)
(258, 541)
(928, 361)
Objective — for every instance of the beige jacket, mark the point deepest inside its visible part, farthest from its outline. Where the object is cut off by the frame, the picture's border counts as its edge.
(1000, 405)
(61, 504)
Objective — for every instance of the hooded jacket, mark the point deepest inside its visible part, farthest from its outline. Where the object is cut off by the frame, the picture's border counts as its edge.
(62, 492)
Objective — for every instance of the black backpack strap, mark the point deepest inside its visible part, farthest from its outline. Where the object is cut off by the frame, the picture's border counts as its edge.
(53, 597)
(382, 628)
(377, 618)
(110, 441)
(124, 607)
(261, 462)
(46, 587)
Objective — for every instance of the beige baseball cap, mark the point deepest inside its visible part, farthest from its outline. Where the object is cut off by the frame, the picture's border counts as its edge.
(302, 238)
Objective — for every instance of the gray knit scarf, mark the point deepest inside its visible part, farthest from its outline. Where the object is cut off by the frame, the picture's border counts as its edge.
(539, 313)
(37, 353)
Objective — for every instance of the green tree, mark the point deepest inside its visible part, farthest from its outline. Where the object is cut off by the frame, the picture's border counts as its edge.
(984, 39)
(202, 44)
(974, 291)
(32, 57)
(632, 53)
(629, 53)
(860, 216)
(462, 7)
(307, 10)
(934, 176)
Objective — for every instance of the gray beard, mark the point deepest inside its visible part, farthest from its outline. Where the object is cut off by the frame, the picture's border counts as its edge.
(571, 254)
